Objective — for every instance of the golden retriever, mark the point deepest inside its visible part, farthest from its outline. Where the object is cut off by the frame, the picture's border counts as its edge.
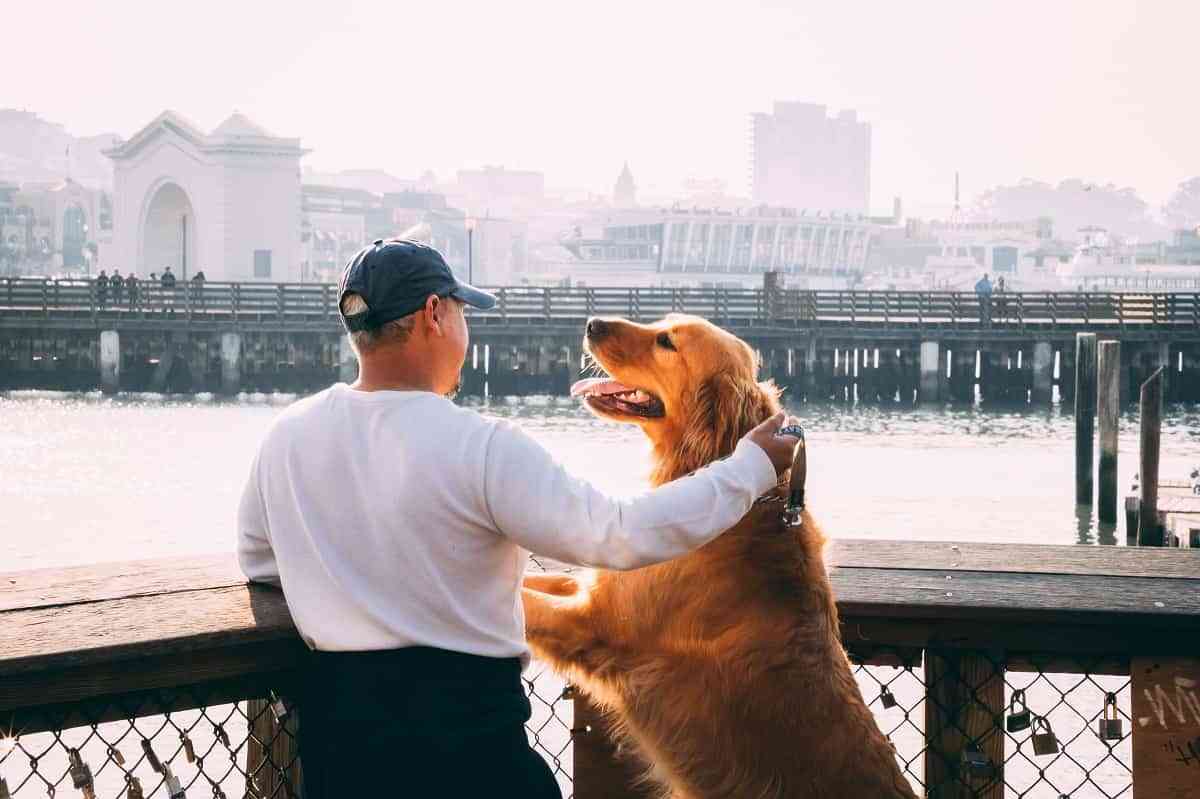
(724, 668)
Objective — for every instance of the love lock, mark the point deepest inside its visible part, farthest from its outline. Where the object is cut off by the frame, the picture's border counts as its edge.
(1044, 742)
(1109, 726)
(976, 763)
(1019, 717)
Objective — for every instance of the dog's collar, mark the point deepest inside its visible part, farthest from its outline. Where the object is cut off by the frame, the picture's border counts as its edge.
(793, 512)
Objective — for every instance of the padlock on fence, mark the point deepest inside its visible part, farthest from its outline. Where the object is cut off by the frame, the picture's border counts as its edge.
(279, 709)
(174, 787)
(81, 774)
(1109, 726)
(1044, 742)
(134, 788)
(116, 755)
(975, 763)
(886, 698)
(4, 794)
(151, 758)
(189, 751)
(1019, 717)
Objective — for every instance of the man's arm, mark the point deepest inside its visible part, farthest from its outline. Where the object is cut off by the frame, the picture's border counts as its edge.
(254, 552)
(542, 507)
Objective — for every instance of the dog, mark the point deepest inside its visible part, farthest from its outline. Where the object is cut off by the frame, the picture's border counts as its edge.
(723, 669)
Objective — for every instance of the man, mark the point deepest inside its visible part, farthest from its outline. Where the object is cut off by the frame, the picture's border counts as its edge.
(984, 291)
(117, 284)
(131, 283)
(198, 288)
(399, 524)
(102, 287)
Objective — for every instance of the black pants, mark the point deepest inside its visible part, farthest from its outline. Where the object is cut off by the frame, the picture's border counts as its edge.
(417, 722)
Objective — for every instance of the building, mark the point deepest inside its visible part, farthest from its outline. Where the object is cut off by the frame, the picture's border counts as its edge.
(51, 228)
(713, 247)
(499, 192)
(803, 158)
(625, 192)
(226, 202)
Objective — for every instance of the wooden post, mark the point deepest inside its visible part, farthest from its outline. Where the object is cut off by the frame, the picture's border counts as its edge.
(1085, 422)
(964, 705)
(271, 754)
(1109, 413)
(1149, 533)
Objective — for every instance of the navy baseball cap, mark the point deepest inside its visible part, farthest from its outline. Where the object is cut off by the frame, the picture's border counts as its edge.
(395, 277)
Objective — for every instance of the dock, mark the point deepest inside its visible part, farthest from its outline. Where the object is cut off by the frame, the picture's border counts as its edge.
(821, 346)
(96, 658)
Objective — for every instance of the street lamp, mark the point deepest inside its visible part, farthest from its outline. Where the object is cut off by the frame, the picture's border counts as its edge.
(470, 251)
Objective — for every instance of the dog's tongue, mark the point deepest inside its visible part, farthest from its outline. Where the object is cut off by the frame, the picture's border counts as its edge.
(592, 386)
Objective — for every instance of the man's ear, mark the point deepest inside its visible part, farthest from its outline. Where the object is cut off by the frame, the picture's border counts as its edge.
(434, 311)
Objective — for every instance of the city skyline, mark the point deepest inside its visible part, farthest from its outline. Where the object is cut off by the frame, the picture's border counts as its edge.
(1094, 93)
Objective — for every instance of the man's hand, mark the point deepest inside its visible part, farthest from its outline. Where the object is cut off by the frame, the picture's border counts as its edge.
(779, 449)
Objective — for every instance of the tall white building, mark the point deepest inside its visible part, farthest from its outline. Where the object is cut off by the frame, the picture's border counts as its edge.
(804, 158)
(226, 202)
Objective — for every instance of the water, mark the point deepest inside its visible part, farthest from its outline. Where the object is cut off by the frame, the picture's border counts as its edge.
(89, 478)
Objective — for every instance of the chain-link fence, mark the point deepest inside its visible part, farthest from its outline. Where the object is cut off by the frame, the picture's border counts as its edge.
(967, 723)
(962, 725)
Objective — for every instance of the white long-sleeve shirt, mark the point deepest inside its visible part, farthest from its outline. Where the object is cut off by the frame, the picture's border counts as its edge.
(396, 518)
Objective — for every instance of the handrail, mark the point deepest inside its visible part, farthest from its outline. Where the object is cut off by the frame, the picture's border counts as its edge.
(93, 642)
(316, 302)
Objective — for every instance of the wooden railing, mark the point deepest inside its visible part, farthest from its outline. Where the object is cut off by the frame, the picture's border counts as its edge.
(315, 304)
(950, 629)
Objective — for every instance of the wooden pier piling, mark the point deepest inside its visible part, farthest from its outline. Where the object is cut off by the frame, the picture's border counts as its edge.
(1085, 422)
(1150, 406)
(1109, 411)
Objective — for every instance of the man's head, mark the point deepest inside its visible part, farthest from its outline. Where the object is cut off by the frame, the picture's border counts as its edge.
(403, 310)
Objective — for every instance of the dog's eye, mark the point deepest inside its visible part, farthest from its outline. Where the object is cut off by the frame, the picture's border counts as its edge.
(664, 341)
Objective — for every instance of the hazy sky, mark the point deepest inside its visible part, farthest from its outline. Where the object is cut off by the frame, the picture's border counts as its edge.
(1104, 90)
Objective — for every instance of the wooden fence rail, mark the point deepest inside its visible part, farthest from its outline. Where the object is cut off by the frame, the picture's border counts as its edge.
(22, 298)
(963, 621)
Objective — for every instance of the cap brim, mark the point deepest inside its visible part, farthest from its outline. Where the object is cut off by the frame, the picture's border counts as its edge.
(474, 297)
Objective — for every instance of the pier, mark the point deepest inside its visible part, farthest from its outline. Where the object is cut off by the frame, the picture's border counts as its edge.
(864, 346)
(181, 658)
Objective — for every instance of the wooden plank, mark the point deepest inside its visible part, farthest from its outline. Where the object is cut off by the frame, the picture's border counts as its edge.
(45, 587)
(1166, 728)
(56, 700)
(1040, 599)
(955, 556)
(46, 639)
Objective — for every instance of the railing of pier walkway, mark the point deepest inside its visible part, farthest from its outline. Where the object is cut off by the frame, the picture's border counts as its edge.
(315, 303)
(200, 691)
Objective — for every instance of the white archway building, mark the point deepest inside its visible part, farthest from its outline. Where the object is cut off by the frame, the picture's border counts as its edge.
(227, 202)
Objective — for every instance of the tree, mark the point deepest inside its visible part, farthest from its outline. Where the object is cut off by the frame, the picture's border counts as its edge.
(1072, 204)
(1183, 209)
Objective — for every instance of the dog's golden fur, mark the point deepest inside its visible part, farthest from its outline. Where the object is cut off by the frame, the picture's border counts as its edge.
(724, 668)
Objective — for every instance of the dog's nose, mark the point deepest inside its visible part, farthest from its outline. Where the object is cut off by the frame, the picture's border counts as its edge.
(596, 328)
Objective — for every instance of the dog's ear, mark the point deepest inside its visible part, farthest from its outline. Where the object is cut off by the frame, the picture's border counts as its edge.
(725, 409)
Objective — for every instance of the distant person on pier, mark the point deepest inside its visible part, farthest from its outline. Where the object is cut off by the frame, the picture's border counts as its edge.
(198, 287)
(131, 284)
(167, 282)
(399, 526)
(118, 287)
(984, 290)
(102, 288)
